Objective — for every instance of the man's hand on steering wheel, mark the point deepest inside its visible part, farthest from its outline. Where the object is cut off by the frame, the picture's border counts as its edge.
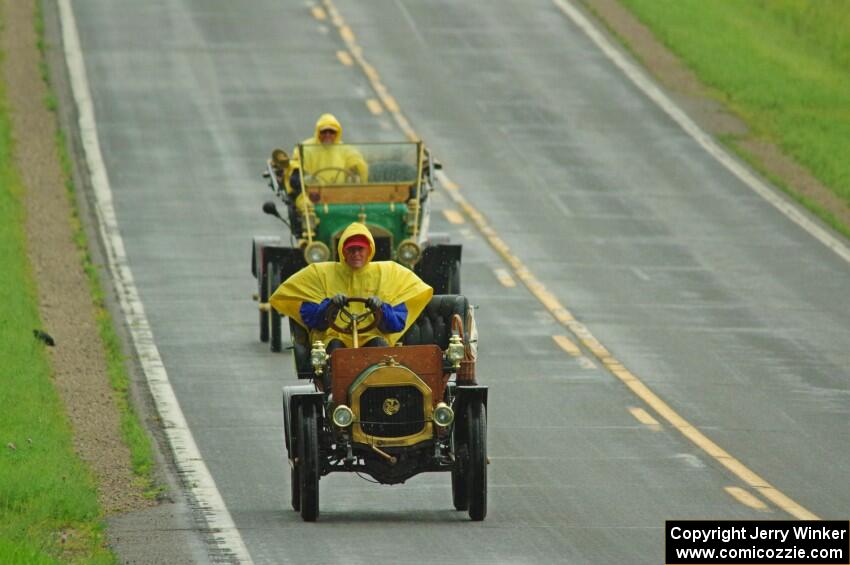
(350, 319)
(374, 303)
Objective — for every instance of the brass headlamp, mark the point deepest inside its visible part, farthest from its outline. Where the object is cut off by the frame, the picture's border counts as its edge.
(318, 357)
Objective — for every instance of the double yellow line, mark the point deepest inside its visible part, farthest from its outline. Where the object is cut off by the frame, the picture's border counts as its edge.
(562, 314)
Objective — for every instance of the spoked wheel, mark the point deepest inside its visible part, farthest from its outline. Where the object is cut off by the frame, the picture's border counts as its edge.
(275, 342)
(263, 279)
(476, 472)
(308, 462)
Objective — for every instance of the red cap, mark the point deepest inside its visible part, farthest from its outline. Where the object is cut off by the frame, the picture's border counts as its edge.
(356, 240)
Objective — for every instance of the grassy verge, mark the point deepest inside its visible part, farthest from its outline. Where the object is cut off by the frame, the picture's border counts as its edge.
(48, 498)
(781, 65)
(132, 431)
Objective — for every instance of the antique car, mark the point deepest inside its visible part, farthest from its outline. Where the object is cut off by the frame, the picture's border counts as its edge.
(391, 412)
(393, 201)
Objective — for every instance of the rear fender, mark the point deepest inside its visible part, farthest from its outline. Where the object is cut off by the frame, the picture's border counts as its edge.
(289, 260)
(259, 243)
(436, 263)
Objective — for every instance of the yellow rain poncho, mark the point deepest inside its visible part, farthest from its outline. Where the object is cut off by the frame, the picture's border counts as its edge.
(330, 159)
(387, 280)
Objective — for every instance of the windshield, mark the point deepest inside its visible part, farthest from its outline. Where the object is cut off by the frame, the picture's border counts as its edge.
(345, 164)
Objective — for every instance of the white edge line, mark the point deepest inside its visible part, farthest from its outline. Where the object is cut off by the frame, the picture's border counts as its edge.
(187, 457)
(671, 109)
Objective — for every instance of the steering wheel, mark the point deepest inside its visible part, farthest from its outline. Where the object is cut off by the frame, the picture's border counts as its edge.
(348, 177)
(352, 324)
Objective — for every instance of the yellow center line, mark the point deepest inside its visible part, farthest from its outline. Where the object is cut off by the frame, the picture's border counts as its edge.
(318, 13)
(375, 106)
(344, 58)
(504, 278)
(561, 313)
(645, 418)
(746, 498)
(567, 345)
(453, 216)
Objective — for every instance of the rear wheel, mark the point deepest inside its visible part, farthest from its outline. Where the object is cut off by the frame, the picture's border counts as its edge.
(274, 316)
(476, 475)
(308, 462)
(262, 278)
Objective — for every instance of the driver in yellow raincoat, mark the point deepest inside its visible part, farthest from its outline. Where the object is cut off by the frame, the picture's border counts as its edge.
(326, 159)
(314, 295)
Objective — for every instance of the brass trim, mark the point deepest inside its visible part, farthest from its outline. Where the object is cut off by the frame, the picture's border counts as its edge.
(390, 375)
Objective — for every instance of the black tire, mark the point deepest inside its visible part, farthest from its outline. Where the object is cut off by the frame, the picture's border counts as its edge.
(460, 494)
(308, 462)
(476, 472)
(453, 279)
(295, 487)
(274, 317)
(262, 278)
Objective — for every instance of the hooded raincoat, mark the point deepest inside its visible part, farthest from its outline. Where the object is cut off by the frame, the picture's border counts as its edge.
(332, 156)
(394, 284)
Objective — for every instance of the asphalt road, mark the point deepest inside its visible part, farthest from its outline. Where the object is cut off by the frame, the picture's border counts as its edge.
(727, 310)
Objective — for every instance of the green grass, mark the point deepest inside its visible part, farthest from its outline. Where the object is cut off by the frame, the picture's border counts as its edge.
(781, 65)
(48, 499)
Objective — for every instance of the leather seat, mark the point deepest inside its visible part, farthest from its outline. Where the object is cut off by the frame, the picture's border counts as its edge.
(434, 325)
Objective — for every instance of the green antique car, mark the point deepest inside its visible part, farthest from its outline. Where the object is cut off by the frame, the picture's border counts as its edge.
(385, 186)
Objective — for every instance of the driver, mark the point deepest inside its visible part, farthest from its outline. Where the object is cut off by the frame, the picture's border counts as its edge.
(328, 160)
(314, 295)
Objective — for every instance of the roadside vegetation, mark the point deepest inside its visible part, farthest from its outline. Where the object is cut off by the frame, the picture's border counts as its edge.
(783, 66)
(49, 511)
(48, 499)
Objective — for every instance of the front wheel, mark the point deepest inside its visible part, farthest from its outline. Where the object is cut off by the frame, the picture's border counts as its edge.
(308, 462)
(476, 474)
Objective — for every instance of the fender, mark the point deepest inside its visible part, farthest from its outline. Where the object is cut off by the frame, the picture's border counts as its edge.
(293, 397)
(436, 263)
(258, 244)
(289, 260)
(464, 395)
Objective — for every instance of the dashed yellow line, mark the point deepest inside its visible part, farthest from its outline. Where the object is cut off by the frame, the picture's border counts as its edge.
(567, 345)
(319, 13)
(644, 418)
(746, 498)
(560, 312)
(375, 106)
(505, 278)
(454, 217)
(448, 184)
(344, 58)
